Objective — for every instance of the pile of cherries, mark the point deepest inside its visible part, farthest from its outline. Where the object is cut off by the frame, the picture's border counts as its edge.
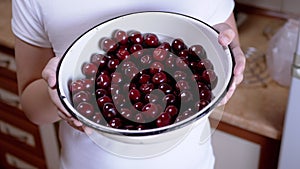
(139, 82)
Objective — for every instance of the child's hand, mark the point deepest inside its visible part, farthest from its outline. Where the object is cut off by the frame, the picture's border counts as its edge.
(227, 37)
(49, 74)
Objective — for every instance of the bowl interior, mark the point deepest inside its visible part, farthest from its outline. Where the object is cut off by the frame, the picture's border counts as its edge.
(167, 26)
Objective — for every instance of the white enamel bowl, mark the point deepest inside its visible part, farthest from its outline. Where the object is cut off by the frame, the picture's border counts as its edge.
(145, 143)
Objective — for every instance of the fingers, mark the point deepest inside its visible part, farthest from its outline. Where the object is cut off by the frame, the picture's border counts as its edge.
(226, 35)
(240, 64)
(49, 71)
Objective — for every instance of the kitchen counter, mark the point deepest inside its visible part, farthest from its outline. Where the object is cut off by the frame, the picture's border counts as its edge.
(258, 109)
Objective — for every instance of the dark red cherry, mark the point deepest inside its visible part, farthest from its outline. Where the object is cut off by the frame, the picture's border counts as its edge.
(102, 100)
(109, 111)
(113, 64)
(123, 54)
(136, 50)
(172, 110)
(101, 92)
(170, 99)
(150, 40)
(178, 45)
(97, 59)
(81, 96)
(165, 45)
(103, 81)
(135, 37)
(166, 88)
(127, 114)
(209, 75)
(108, 45)
(159, 77)
(116, 77)
(76, 86)
(163, 120)
(134, 95)
(86, 109)
(121, 37)
(97, 118)
(146, 60)
(144, 78)
(150, 112)
(146, 87)
(197, 51)
(160, 54)
(180, 75)
(115, 123)
(156, 67)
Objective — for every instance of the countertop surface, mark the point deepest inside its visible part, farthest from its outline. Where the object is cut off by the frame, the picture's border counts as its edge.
(256, 108)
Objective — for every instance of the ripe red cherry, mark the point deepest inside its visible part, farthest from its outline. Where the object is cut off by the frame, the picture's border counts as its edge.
(89, 69)
(115, 123)
(123, 54)
(102, 100)
(150, 40)
(113, 64)
(135, 37)
(85, 109)
(108, 45)
(146, 60)
(160, 54)
(76, 86)
(87, 84)
(81, 96)
(172, 110)
(103, 81)
(97, 117)
(134, 95)
(109, 111)
(97, 59)
(166, 88)
(159, 77)
(178, 45)
(136, 50)
(163, 120)
(165, 45)
(121, 37)
(146, 87)
(197, 51)
(150, 112)
(209, 75)
(144, 78)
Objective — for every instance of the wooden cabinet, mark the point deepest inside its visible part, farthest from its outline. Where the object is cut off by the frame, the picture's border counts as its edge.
(22, 143)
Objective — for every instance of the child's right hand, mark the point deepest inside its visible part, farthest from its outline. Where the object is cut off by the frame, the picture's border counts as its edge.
(49, 75)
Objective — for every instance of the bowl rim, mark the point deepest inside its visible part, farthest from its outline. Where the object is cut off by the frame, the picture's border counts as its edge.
(146, 132)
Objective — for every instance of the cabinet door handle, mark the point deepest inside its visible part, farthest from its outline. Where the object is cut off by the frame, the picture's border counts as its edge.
(17, 133)
(15, 162)
(4, 63)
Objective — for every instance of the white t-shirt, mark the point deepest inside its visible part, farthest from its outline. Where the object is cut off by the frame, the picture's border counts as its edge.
(57, 23)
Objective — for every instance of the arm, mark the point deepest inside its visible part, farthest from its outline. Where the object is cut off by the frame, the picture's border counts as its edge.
(33, 91)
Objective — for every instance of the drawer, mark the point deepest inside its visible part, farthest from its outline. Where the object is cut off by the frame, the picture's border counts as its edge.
(12, 157)
(16, 129)
(8, 77)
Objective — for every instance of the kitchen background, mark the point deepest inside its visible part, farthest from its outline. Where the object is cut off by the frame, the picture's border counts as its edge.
(251, 130)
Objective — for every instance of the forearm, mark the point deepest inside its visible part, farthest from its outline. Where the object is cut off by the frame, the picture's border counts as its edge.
(37, 105)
